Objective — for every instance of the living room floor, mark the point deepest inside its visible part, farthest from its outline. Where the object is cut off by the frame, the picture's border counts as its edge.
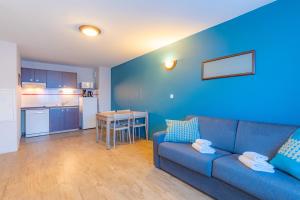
(74, 166)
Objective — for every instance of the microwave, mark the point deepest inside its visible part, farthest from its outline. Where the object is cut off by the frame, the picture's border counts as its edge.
(87, 85)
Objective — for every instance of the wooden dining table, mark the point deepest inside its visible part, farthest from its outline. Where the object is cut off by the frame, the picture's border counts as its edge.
(108, 118)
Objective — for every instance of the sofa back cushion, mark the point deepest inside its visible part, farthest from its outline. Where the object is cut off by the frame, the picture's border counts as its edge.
(221, 132)
(262, 138)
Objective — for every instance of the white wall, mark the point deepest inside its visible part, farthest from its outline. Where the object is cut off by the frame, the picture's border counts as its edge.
(10, 97)
(84, 74)
(18, 96)
(104, 85)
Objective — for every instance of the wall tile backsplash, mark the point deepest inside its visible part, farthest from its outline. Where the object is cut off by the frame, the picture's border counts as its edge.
(35, 97)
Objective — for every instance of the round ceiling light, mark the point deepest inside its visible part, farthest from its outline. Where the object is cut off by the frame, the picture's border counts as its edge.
(89, 30)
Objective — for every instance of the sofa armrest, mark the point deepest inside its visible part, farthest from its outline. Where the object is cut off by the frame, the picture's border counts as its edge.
(158, 138)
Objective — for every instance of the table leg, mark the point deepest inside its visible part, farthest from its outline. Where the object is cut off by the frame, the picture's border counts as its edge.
(101, 131)
(97, 130)
(107, 134)
(147, 127)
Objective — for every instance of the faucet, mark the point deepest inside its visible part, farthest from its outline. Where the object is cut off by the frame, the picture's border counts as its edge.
(64, 103)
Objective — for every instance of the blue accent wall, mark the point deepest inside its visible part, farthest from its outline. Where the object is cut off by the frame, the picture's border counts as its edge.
(271, 95)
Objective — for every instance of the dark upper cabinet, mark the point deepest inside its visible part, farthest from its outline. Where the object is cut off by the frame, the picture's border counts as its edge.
(71, 118)
(54, 79)
(56, 119)
(27, 75)
(65, 118)
(69, 80)
(33, 75)
(40, 76)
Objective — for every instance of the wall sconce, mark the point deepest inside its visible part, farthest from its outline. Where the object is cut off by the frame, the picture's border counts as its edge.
(170, 64)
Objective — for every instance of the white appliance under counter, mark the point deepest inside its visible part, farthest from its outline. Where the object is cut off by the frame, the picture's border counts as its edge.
(37, 122)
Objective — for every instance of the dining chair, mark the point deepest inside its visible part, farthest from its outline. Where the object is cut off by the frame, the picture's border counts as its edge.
(119, 126)
(124, 111)
(138, 121)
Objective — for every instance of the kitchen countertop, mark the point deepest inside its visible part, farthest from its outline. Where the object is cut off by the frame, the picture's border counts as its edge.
(48, 107)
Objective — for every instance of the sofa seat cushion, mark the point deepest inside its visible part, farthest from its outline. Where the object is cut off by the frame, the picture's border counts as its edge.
(262, 185)
(186, 156)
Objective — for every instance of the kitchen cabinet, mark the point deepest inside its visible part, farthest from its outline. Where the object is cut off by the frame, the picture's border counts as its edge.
(56, 119)
(27, 75)
(69, 80)
(33, 75)
(71, 118)
(54, 79)
(40, 76)
(64, 118)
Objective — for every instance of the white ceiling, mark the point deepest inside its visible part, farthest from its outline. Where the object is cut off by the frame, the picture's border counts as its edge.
(46, 30)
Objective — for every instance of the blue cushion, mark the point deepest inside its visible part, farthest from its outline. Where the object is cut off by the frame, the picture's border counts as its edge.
(220, 132)
(262, 138)
(186, 156)
(182, 131)
(263, 185)
(288, 156)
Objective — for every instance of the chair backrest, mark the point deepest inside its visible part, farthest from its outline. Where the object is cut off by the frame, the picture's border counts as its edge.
(122, 116)
(136, 115)
(139, 115)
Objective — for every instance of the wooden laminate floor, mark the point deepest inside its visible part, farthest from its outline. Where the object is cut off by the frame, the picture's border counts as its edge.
(73, 166)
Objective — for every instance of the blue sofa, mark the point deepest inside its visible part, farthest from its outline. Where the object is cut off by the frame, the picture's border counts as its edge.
(221, 175)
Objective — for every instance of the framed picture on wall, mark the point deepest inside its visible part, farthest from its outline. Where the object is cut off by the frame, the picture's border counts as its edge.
(240, 64)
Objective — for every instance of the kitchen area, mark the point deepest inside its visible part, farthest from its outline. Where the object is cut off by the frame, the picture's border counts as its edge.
(56, 101)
